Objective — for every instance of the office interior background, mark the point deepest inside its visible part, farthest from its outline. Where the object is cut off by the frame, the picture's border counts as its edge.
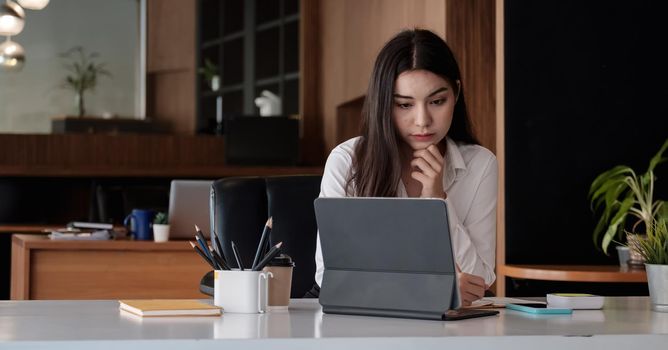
(559, 90)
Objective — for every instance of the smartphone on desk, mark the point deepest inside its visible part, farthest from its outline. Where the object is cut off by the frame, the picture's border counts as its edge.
(538, 308)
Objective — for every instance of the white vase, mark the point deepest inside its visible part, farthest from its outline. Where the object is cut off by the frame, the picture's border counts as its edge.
(160, 233)
(657, 278)
(215, 83)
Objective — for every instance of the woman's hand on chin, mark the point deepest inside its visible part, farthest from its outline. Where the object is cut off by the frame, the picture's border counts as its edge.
(428, 165)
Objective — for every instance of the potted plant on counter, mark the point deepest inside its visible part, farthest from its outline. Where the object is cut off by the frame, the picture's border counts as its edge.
(83, 74)
(619, 192)
(654, 250)
(210, 73)
(160, 228)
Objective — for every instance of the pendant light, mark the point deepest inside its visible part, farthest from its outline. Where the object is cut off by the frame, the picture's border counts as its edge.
(12, 18)
(33, 4)
(12, 56)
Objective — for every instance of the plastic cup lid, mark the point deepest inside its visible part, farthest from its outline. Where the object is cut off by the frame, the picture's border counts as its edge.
(282, 260)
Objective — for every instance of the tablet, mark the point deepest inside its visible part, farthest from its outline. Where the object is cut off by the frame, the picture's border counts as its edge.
(387, 257)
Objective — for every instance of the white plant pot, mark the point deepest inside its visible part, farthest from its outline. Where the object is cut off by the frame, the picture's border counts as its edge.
(160, 233)
(657, 278)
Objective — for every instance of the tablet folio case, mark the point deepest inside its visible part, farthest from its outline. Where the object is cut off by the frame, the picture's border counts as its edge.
(386, 257)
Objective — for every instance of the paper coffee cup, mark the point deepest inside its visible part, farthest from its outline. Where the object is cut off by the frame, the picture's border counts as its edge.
(281, 285)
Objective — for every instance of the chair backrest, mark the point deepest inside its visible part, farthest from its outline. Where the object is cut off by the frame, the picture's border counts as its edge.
(240, 207)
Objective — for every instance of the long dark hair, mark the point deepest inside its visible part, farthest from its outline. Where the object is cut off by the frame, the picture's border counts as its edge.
(376, 168)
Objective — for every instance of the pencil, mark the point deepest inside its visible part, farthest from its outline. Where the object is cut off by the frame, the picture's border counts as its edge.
(220, 260)
(263, 241)
(236, 256)
(199, 251)
(219, 247)
(270, 255)
(199, 236)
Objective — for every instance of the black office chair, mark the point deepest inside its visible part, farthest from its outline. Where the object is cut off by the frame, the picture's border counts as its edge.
(240, 207)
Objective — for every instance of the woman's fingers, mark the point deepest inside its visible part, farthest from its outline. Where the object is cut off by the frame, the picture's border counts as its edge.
(477, 280)
(422, 178)
(433, 149)
(470, 297)
(424, 166)
(472, 287)
(434, 161)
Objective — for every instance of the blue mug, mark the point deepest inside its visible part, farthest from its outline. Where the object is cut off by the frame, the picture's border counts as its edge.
(140, 223)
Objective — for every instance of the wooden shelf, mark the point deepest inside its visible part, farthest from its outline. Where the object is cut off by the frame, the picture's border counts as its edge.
(126, 155)
(574, 273)
(170, 171)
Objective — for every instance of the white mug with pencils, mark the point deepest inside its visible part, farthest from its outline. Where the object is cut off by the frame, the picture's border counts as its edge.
(240, 289)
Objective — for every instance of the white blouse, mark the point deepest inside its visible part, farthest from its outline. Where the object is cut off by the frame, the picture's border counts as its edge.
(470, 181)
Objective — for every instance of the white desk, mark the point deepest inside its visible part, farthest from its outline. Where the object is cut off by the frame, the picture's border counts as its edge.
(625, 323)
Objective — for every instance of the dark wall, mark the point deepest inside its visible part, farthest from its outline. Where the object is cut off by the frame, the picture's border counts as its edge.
(586, 89)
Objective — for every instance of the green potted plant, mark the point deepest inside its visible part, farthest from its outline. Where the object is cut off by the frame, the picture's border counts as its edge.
(83, 74)
(654, 250)
(619, 192)
(160, 227)
(210, 73)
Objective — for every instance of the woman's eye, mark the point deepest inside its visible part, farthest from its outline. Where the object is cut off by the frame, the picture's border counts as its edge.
(438, 102)
(404, 105)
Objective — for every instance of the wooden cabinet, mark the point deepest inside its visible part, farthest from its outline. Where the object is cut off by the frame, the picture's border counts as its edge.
(46, 269)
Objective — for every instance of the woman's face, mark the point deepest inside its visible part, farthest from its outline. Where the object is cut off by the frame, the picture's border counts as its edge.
(422, 108)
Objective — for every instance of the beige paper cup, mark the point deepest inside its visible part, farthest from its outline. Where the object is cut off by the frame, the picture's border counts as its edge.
(281, 285)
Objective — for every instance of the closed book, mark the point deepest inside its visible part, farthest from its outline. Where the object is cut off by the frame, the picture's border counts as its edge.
(169, 307)
(575, 301)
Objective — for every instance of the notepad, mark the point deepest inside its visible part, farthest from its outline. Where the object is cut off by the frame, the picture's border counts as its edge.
(169, 307)
(575, 301)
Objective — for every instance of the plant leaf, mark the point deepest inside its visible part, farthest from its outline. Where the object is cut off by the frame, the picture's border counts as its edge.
(658, 157)
(607, 175)
(615, 223)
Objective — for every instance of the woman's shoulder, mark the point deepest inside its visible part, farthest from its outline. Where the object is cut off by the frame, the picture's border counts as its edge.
(473, 154)
(345, 150)
(338, 170)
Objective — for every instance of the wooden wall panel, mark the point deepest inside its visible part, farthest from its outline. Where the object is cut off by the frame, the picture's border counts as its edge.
(500, 148)
(309, 69)
(172, 100)
(171, 65)
(352, 33)
(171, 35)
(470, 32)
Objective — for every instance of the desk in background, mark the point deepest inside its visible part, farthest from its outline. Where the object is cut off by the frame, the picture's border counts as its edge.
(46, 269)
(624, 323)
(574, 273)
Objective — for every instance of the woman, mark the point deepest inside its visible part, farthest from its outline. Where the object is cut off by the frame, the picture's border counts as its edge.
(417, 142)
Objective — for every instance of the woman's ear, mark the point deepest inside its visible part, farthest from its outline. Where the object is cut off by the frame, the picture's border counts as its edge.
(459, 88)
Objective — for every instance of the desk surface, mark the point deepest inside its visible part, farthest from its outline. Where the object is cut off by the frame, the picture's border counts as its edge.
(101, 321)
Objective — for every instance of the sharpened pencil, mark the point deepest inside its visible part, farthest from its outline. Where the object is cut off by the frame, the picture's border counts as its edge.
(270, 255)
(199, 251)
(263, 241)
